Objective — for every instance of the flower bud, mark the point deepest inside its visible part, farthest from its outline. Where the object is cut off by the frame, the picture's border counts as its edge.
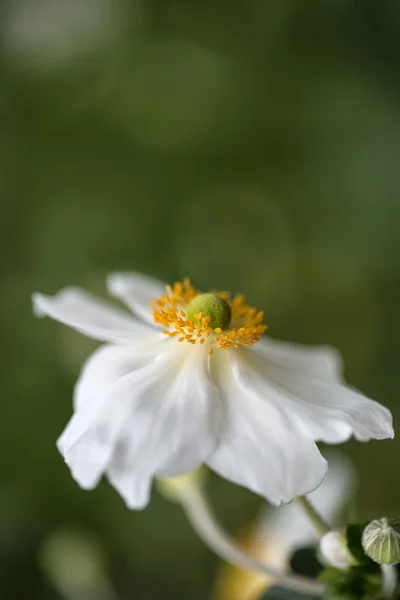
(381, 541)
(333, 547)
(212, 306)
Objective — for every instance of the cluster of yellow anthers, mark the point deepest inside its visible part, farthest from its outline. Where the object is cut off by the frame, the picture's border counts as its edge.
(169, 310)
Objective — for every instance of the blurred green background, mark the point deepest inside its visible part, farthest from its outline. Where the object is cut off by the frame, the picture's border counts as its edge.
(251, 145)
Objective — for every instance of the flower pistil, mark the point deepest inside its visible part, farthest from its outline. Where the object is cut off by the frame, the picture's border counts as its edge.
(224, 321)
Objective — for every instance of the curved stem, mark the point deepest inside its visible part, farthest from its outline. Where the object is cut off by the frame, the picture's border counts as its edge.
(313, 515)
(389, 580)
(207, 527)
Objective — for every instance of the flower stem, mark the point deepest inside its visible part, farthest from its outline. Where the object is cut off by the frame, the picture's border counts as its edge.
(207, 527)
(389, 580)
(313, 515)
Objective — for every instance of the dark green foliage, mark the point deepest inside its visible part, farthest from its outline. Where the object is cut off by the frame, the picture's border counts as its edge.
(353, 535)
(357, 582)
(352, 584)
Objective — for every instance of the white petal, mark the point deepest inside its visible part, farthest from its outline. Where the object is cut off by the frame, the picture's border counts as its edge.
(261, 448)
(173, 430)
(104, 375)
(109, 363)
(326, 409)
(162, 419)
(319, 361)
(340, 410)
(137, 291)
(89, 439)
(87, 314)
(287, 527)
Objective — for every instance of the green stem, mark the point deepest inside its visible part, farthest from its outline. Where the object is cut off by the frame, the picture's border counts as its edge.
(208, 528)
(313, 515)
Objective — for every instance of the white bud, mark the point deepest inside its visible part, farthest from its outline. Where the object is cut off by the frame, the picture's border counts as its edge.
(333, 547)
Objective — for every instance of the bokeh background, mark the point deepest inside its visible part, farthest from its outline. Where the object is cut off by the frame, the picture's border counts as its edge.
(251, 145)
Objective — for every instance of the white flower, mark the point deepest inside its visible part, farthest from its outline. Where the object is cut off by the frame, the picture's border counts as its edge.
(149, 404)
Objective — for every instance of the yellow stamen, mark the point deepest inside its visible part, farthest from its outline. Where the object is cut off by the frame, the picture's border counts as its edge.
(169, 310)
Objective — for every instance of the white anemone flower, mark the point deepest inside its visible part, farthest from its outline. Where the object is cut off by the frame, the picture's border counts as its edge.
(211, 390)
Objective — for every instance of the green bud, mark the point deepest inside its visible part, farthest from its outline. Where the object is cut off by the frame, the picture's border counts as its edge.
(213, 306)
(381, 541)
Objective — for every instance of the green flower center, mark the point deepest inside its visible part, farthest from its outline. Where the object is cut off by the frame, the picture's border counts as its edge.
(212, 306)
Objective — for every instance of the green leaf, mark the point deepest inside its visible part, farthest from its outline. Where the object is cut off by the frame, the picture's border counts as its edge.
(330, 574)
(350, 584)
